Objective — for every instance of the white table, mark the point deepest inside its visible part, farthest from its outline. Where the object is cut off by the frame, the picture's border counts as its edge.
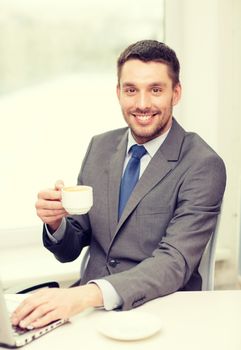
(191, 321)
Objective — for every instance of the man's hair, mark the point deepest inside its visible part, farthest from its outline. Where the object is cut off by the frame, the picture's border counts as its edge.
(151, 50)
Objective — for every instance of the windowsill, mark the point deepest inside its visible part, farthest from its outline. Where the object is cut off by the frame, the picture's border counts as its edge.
(33, 264)
(222, 254)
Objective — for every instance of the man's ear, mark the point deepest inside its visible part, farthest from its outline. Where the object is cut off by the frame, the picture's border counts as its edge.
(177, 93)
(118, 91)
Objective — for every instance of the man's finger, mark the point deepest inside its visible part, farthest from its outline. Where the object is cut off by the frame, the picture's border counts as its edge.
(35, 315)
(23, 310)
(48, 205)
(59, 184)
(49, 195)
(45, 319)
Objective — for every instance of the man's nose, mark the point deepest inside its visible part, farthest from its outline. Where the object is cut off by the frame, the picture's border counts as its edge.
(143, 101)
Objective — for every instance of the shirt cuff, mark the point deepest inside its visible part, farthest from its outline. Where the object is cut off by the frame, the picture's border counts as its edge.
(111, 298)
(58, 235)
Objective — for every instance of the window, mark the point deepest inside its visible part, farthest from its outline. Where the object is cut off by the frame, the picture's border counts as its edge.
(58, 77)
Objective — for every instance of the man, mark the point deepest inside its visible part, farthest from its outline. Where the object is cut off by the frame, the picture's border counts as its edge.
(151, 243)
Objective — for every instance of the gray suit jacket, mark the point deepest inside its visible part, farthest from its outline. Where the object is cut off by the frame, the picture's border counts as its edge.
(156, 246)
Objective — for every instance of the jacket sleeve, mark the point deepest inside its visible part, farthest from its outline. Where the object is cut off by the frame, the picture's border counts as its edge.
(77, 233)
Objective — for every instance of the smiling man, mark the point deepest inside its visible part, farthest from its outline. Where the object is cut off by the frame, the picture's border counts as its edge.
(157, 195)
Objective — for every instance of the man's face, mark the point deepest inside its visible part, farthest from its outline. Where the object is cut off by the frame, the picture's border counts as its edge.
(147, 96)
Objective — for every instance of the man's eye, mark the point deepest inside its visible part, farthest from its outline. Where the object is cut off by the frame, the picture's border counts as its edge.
(156, 90)
(130, 91)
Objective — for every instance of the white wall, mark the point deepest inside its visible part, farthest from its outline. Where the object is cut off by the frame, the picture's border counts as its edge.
(207, 38)
(55, 123)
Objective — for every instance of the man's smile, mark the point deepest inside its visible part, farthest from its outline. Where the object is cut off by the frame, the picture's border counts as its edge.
(144, 118)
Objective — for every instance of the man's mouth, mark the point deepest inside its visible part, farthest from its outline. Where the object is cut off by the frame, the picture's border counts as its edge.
(144, 117)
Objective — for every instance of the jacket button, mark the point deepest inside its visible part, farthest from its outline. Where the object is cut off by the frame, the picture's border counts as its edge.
(113, 262)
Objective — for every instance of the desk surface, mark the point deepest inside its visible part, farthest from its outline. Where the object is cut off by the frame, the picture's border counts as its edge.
(190, 320)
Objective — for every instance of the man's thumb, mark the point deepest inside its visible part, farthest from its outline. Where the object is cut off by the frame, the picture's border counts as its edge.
(59, 184)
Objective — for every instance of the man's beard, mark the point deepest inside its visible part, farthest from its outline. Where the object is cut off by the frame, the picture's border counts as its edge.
(149, 133)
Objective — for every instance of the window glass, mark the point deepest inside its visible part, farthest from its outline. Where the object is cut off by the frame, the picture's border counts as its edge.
(57, 88)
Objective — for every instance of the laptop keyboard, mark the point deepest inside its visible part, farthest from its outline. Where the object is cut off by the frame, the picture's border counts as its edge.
(19, 331)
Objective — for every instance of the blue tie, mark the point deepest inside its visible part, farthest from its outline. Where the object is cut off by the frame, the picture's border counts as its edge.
(131, 176)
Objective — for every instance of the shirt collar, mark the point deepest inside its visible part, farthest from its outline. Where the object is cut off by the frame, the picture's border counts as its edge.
(151, 146)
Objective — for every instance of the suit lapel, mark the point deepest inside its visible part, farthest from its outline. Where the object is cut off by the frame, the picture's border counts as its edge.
(157, 169)
(161, 164)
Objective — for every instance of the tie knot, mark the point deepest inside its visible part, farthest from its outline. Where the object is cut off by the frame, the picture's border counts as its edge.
(138, 151)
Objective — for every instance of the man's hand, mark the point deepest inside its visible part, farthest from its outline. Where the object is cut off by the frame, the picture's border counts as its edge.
(48, 305)
(49, 207)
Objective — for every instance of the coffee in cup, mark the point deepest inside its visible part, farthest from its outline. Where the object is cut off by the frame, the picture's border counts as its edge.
(78, 199)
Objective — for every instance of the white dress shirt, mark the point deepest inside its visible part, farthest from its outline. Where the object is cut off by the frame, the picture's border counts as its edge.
(111, 298)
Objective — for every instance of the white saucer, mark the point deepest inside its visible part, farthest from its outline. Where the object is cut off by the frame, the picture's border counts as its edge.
(129, 325)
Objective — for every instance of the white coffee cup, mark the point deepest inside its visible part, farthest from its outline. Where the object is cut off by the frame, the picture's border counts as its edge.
(77, 200)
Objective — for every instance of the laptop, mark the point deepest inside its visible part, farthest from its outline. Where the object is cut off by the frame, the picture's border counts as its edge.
(14, 336)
